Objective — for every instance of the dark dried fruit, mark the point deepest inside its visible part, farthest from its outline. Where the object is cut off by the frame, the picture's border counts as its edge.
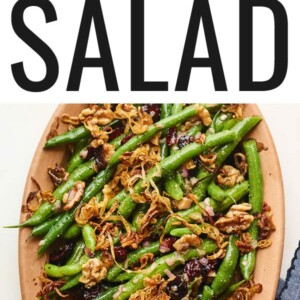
(167, 244)
(127, 138)
(120, 254)
(91, 293)
(171, 137)
(153, 110)
(98, 155)
(177, 288)
(184, 140)
(60, 256)
(116, 133)
(194, 268)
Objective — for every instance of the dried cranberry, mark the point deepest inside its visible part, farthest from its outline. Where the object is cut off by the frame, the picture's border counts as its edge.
(116, 133)
(60, 256)
(127, 138)
(184, 140)
(153, 110)
(98, 155)
(171, 137)
(194, 268)
(177, 288)
(167, 244)
(121, 254)
(91, 293)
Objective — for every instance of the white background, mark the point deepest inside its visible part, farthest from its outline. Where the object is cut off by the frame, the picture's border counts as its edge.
(23, 125)
(166, 25)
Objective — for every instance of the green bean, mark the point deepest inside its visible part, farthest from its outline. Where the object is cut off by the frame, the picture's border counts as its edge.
(72, 136)
(72, 232)
(123, 277)
(247, 261)
(71, 283)
(44, 212)
(107, 295)
(231, 289)
(77, 253)
(97, 184)
(172, 163)
(67, 270)
(77, 158)
(226, 270)
(43, 228)
(196, 129)
(187, 113)
(207, 293)
(230, 123)
(240, 129)
(67, 219)
(132, 258)
(89, 237)
(173, 188)
(165, 111)
(235, 194)
(216, 192)
(220, 120)
(213, 108)
(83, 172)
(160, 265)
(47, 209)
(138, 215)
(179, 232)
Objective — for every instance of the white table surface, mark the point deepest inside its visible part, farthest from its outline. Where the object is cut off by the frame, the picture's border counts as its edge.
(21, 127)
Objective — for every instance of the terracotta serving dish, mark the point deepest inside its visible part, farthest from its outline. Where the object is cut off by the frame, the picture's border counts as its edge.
(268, 260)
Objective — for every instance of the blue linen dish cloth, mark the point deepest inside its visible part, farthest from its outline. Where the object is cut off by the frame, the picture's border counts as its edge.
(290, 288)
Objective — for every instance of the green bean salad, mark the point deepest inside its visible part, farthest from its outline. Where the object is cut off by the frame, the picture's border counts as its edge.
(157, 201)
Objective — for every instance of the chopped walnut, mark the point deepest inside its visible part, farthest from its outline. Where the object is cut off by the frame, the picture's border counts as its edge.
(229, 176)
(58, 175)
(93, 271)
(74, 195)
(236, 219)
(187, 241)
(204, 115)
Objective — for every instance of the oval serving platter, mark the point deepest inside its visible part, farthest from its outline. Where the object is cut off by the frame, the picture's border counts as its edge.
(268, 265)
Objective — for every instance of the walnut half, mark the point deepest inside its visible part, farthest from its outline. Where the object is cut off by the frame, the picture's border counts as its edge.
(93, 271)
(237, 219)
(74, 195)
(187, 241)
